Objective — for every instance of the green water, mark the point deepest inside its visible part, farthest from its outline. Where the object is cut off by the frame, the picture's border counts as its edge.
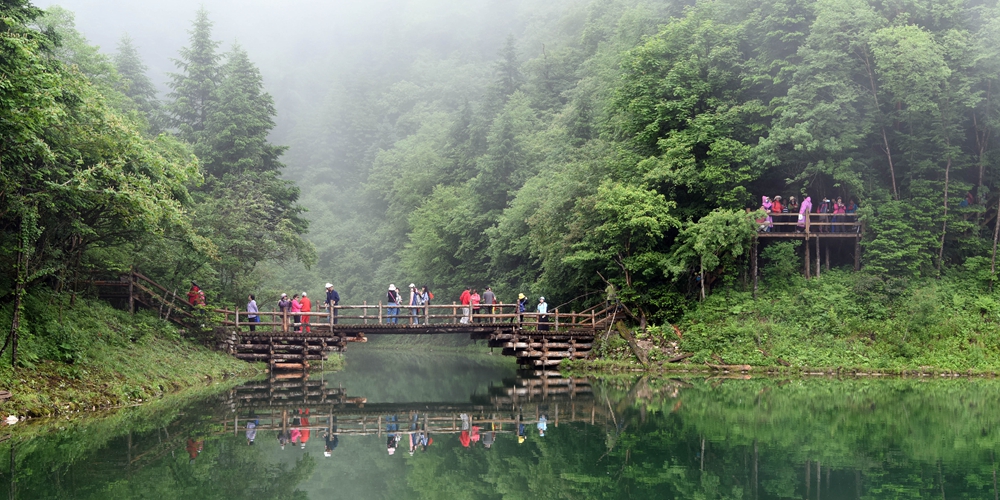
(650, 438)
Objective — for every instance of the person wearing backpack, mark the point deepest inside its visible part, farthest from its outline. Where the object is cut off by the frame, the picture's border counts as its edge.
(392, 303)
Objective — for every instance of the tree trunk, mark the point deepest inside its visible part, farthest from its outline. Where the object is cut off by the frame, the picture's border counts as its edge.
(702, 278)
(944, 224)
(996, 235)
(885, 137)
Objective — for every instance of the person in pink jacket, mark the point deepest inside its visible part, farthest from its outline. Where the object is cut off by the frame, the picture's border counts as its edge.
(296, 309)
(804, 209)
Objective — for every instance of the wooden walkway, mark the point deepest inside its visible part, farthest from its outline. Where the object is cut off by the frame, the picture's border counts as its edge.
(290, 342)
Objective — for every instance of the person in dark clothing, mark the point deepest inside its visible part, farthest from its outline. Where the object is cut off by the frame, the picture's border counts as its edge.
(332, 301)
(284, 306)
(489, 300)
(331, 440)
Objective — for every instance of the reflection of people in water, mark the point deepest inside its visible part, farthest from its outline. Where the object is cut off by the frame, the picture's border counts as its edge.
(521, 433)
(304, 432)
(330, 439)
(414, 434)
(283, 438)
(252, 430)
(194, 448)
(392, 428)
(464, 437)
(296, 432)
(543, 425)
(490, 436)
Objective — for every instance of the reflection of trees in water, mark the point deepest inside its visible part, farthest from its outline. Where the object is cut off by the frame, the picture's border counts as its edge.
(658, 438)
(744, 439)
(141, 453)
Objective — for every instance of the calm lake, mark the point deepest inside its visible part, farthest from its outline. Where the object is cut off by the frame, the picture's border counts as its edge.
(402, 424)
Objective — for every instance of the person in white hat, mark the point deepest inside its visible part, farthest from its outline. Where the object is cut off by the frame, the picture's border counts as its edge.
(392, 303)
(332, 300)
(285, 306)
(543, 314)
(415, 302)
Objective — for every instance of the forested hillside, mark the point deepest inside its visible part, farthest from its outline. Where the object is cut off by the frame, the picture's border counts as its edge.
(622, 142)
(548, 148)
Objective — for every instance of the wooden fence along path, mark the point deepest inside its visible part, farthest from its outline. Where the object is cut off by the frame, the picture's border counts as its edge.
(292, 341)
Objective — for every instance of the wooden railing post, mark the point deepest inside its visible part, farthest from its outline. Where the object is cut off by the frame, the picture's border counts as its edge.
(365, 312)
(380, 312)
(593, 318)
(557, 319)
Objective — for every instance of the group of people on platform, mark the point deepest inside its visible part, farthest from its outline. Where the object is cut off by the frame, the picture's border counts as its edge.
(471, 301)
(295, 306)
(780, 215)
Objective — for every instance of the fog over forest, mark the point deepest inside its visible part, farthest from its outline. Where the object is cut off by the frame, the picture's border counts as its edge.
(299, 45)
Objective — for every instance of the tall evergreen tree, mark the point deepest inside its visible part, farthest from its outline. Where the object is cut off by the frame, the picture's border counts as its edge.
(135, 84)
(193, 89)
(234, 140)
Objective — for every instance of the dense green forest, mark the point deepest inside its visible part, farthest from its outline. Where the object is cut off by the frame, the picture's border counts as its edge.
(546, 149)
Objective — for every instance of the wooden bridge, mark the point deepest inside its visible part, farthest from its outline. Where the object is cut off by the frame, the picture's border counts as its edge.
(277, 402)
(291, 341)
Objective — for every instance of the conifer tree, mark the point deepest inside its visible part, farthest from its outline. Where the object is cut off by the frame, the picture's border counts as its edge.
(135, 84)
(193, 89)
(234, 140)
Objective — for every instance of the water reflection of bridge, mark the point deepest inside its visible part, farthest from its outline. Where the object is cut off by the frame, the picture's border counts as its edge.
(522, 401)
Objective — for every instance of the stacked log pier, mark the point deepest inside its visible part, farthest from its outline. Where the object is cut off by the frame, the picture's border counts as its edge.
(291, 351)
(543, 349)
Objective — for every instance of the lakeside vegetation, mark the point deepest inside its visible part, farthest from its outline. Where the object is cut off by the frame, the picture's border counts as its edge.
(565, 148)
(92, 356)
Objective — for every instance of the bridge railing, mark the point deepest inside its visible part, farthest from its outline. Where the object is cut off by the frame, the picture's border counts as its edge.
(444, 315)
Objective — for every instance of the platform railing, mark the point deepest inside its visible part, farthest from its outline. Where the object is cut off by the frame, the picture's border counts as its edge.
(430, 315)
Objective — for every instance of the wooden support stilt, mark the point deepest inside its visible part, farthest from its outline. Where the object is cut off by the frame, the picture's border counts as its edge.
(857, 254)
(753, 264)
(827, 256)
(808, 261)
(817, 258)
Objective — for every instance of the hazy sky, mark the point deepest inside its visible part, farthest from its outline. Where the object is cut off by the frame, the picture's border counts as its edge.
(272, 32)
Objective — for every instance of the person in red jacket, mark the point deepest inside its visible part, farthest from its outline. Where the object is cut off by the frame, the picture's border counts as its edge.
(196, 297)
(306, 306)
(465, 299)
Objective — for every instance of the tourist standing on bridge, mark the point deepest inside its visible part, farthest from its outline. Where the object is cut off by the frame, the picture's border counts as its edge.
(543, 314)
(284, 305)
(465, 298)
(474, 300)
(332, 300)
(252, 317)
(296, 308)
(415, 302)
(522, 305)
(306, 307)
(490, 299)
(425, 296)
(392, 301)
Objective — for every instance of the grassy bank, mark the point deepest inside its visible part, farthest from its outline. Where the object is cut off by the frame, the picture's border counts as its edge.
(89, 356)
(846, 322)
